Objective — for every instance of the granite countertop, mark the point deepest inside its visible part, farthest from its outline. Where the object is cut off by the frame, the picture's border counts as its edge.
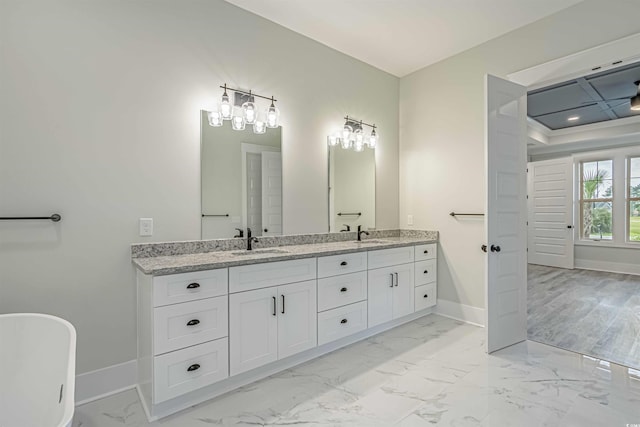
(183, 263)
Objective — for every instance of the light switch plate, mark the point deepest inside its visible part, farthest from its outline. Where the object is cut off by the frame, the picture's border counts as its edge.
(409, 219)
(146, 226)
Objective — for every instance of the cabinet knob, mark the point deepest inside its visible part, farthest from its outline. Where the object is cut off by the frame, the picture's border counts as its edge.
(426, 295)
(343, 290)
(343, 263)
(193, 285)
(193, 367)
(193, 322)
(343, 321)
(426, 251)
(426, 272)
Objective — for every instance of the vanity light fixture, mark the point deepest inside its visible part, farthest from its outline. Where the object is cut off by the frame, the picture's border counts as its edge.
(244, 111)
(353, 136)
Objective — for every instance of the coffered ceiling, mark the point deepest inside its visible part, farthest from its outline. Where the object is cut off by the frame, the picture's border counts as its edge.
(402, 36)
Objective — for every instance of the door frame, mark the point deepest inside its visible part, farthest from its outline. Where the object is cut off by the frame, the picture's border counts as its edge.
(245, 148)
(581, 63)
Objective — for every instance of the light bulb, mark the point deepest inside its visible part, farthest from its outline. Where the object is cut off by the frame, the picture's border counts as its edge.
(225, 107)
(346, 132)
(372, 141)
(237, 120)
(358, 138)
(358, 146)
(215, 118)
(259, 126)
(345, 143)
(333, 139)
(249, 112)
(273, 116)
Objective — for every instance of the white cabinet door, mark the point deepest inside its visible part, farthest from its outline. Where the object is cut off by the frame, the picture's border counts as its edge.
(380, 295)
(403, 290)
(253, 329)
(297, 318)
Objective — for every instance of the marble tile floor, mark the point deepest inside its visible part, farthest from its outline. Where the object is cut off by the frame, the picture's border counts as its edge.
(589, 312)
(432, 371)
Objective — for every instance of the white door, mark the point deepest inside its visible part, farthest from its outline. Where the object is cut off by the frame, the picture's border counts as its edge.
(506, 213)
(550, 208)
(271, 193)
(381, 282)
(254, 193)
(404, 290)
(297, 318)
(253, 329)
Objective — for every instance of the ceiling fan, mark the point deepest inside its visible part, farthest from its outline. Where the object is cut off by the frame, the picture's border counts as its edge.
(634, 100)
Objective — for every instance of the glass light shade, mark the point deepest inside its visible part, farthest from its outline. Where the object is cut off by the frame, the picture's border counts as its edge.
(346, 133)
(237, 121)
(273, 117)
(358, 137)
(372, 141)
(215, 118)
(226, 109)
(333, 139)
(259, 126)
(635, 103)
(358, 146)
(346, 143)
(249, 112)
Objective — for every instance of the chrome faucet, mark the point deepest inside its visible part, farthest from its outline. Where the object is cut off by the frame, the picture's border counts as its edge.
(240, 233)
(250, 239)
(361, 232)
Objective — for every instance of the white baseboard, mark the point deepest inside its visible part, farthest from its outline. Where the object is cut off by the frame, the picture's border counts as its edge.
(104, 382)
(612, 267)
(462, 312)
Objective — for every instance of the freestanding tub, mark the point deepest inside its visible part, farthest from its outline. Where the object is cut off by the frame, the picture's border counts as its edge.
(37, 371)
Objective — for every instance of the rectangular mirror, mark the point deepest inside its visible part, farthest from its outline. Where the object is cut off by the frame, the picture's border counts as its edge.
(352, 189)
(241, 180)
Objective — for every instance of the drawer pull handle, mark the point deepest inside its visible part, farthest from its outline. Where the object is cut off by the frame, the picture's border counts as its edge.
(426, 272)
(391, 281)
(193, 285)
(193, 322)
(343, 321)
(193, 367)
(396, 278)
(343, 290)
(343, 263)
(274, 305)
(426, 295)
(282, 303)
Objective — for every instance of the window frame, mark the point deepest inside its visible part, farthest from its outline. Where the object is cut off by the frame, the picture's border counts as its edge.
(629, 199)
(620, 225)
(582, 200)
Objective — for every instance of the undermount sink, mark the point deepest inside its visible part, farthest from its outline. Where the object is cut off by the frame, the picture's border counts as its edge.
(261, 251)
(373, 241)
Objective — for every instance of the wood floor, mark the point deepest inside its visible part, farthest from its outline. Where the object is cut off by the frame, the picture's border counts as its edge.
(589, 312)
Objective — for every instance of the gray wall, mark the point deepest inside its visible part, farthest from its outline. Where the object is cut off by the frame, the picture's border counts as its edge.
(442, 130)
(99, 120)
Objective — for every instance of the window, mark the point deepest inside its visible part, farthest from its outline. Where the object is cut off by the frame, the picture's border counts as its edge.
(633, 199)
(596, 200)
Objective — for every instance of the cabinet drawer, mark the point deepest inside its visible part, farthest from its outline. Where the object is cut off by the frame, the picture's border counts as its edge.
(341, 290)
(341, 322)
(341, 264)
(176, 288)
(182, 325)
(189, 369)
(426, 296)
(426, 272)
(428, 251)
(256, 276)
(389, 257)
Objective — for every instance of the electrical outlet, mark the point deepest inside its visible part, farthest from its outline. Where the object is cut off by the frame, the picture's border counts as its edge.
(409, 219)
(146, 226)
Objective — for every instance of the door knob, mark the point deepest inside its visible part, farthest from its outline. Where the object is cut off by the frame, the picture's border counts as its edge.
(484, 248)
(495, 248)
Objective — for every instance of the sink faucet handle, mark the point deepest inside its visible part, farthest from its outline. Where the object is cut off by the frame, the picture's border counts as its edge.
(240, 233)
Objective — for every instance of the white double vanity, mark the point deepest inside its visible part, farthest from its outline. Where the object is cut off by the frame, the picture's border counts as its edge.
(212, 320)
